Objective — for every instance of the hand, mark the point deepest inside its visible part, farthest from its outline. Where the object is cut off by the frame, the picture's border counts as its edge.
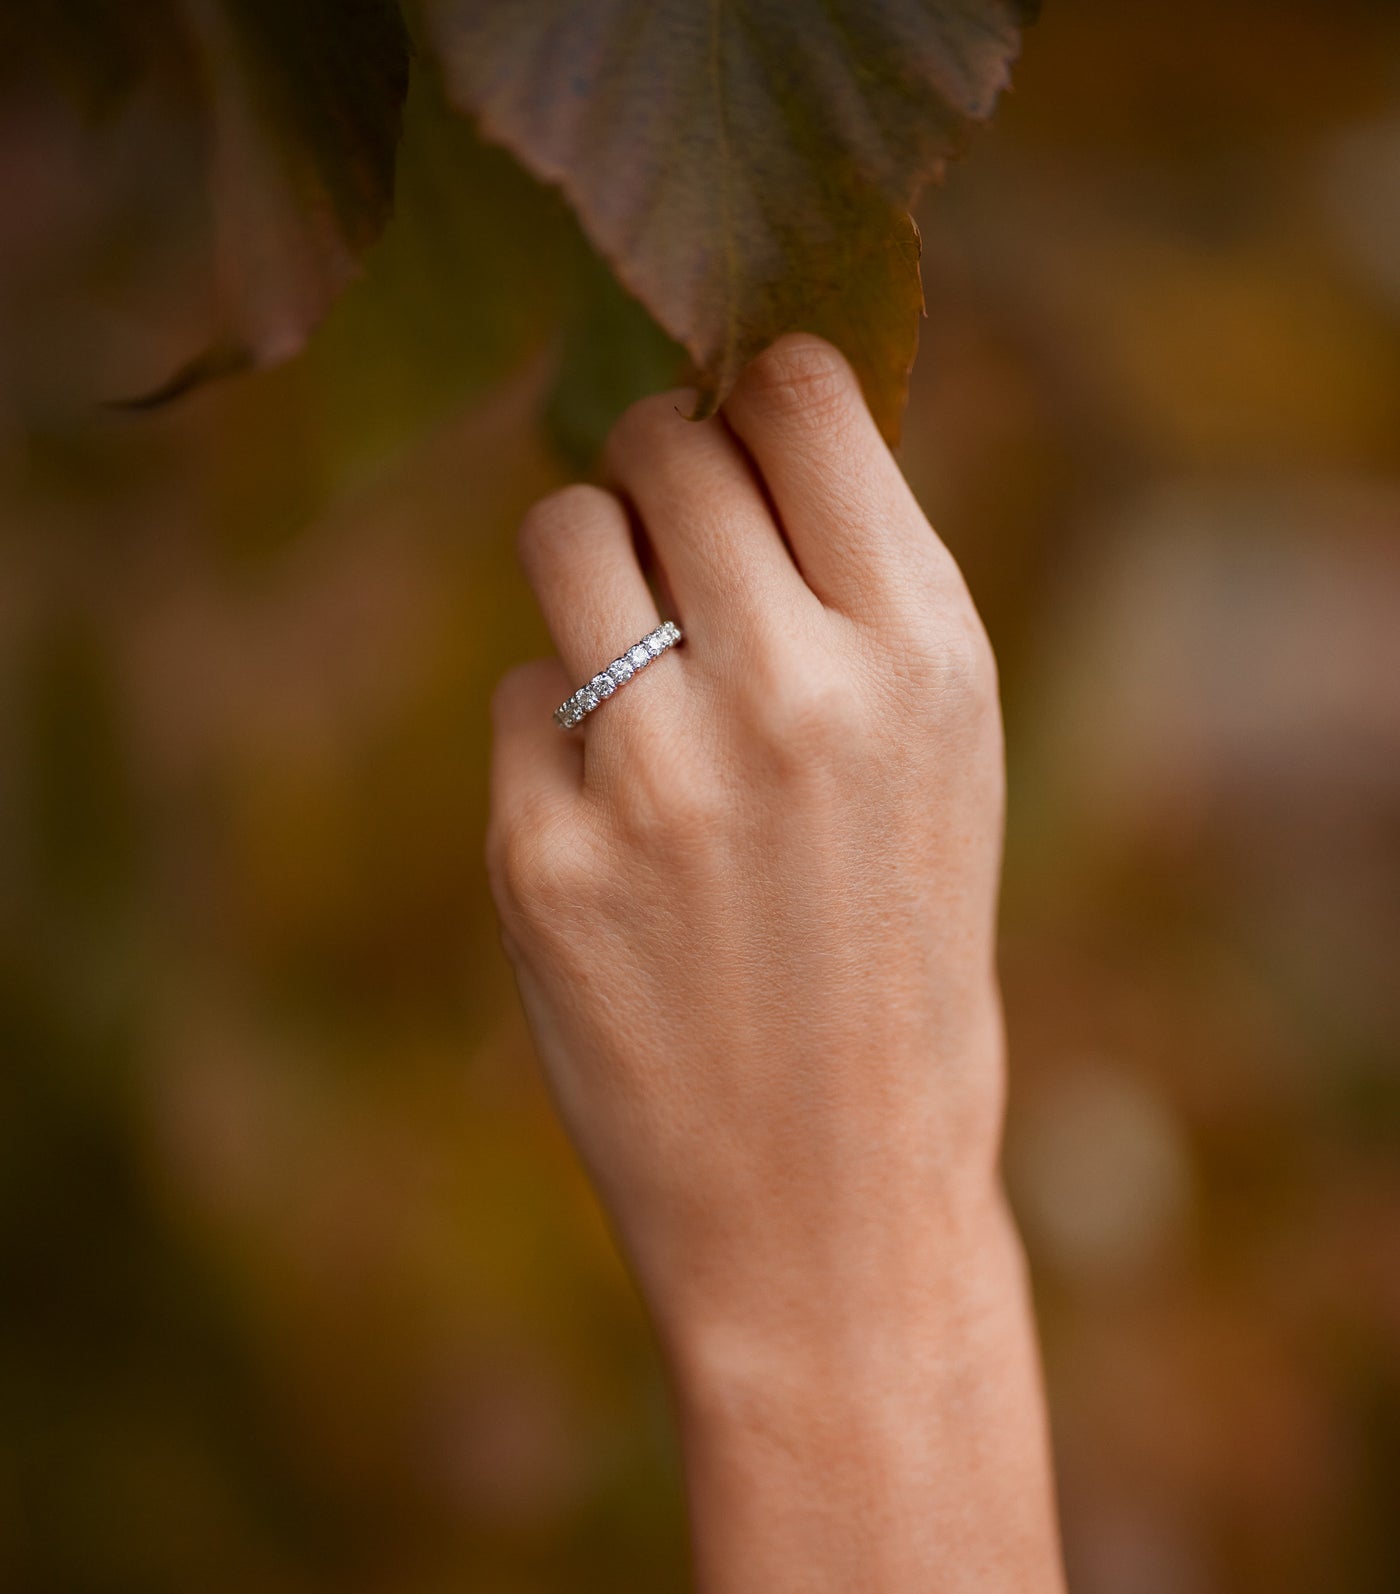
(750, 904)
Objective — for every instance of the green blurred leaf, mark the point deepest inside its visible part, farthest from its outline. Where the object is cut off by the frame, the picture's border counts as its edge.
(613, 353)
(746, 167)
(469, 282)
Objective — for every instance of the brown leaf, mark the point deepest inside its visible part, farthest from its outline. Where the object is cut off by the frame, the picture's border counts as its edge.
(746, 165)
(291, 114)
(304, 106)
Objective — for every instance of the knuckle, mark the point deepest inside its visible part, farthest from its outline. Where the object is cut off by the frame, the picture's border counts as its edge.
(500, 864)
(534, 869)
(559, 516)
(951, 666)
(968, 664)
(806, 714)
(801, 376)
(659, 808)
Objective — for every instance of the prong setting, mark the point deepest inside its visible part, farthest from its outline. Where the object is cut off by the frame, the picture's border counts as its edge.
(574, 710)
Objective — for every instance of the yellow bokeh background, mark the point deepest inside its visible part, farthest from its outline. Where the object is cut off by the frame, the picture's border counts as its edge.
(302, 1289)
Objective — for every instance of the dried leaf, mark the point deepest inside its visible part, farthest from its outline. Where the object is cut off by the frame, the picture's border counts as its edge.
(304, 107)
(294, 111)
(747, 166)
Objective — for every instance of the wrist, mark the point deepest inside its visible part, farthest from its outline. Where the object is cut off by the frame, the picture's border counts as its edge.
(844, 1450)
(842, 1330)
(870, 1235)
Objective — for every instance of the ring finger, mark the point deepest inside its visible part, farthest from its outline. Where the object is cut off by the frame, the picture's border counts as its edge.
(578, 555)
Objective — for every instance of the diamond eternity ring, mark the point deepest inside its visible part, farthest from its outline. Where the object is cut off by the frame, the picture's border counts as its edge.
(618, 673)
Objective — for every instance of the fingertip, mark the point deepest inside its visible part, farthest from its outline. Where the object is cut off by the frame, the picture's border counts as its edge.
(799, 378)
(524, 689)
(559, 516)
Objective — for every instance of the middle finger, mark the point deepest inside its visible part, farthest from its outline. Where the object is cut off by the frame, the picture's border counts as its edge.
(724, 560)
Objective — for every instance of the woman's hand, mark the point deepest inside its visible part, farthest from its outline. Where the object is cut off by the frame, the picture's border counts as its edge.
(751, 903)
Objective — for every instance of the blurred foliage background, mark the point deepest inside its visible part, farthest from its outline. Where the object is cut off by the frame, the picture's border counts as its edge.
(300, 1288)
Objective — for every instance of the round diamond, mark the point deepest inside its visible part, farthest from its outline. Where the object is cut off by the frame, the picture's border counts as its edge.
(621, 670)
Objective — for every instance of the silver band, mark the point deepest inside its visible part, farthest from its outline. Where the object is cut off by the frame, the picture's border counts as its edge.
(618, 673)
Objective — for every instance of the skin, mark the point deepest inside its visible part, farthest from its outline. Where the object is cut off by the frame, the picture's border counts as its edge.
(750, 904)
